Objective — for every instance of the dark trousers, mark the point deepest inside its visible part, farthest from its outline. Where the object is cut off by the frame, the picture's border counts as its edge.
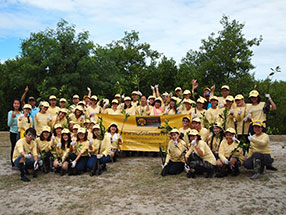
(174, 168)
(13, 140)
(266, 160)
(199, 165)
(82, 164)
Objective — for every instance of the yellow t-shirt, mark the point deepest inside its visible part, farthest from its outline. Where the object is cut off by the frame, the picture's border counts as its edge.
(175, 152)
(257, 112)
(23, 124)
(239, 120)
(260, 144)
(53, 111)
(185, 132)
(26, 148)
(92, 111)
(40, 121)
(212, 114)
(225, 151)
(105, 146)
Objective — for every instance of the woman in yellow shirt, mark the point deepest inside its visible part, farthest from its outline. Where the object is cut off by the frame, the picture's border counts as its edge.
(199, 158)
(157, 110)
(115, 139)
(25, 121)
(215, 139)
(171, 109)
(128, 107)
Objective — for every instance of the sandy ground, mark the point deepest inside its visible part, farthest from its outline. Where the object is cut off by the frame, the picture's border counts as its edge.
(134, 186)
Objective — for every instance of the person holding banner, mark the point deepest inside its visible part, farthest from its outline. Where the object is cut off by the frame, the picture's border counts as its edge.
(25, 121)
(115, 139)
(230, 156)
(129, 109)
(157, 110)
(199, 158)
(259, 154)
(174, 163)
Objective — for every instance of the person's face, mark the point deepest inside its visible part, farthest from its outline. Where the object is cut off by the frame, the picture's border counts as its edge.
(206, 93)
(217, 130)
(114, 105)
(46, 134)
(254, 99)
(53, 102)
(16, 105)
(27, 111)
(187, 96)
(224, 92)
(178, 92)
(195, 125)
(62, 115)
(157, 104)
(44, 109)
(214, 103)
(192, 137)
(32, 102)
(151, 101)
(78, 112)
(118, 99)
(71, 126)
(143, 100)
(86, 125)
(228, 137)
(93, 101)
(174, 136)
(87, 100)
(29, 137)
(65, 137)
(257, 129)
(186, 123)
(172, 103)
(165, 98)
(237, 102)
(134, 97)
(74, 131)
(229, 104)
(62, 104)
(127, 102)
(75, 100)
(81, 136)
(113, 129)
(188, 106)
(96, 131)
(200, 105)
(58, 131)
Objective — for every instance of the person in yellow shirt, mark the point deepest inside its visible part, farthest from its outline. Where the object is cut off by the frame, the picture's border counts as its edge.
(25, 154)
(203, 132)
(75, 100)
(151, 100)
(157, 110)
(78, 115)
(114, 110)
(143, 108)
(240, 115)
(80, 149)
(115, 139)
(199, 111)
(215, 139)
(60, 118)
(188, 109)
(63, 103)
(225, 90)
(258, 109)
(212, 114)
(53, 109)
(185, 129)
(45, 144)
(63, 150)
(42, 118)
(57, 133)
(25, 121)
(93, 109)
(100, 150)
(75, 132)
(259, 154)
(230, 120)
(128, 107)
(230, 156)
(171, 109)
(135, 98)
(199, 158)
(174, 163)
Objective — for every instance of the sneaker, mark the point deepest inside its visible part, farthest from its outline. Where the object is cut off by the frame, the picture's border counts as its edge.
(255, 176)
(271, 168)
(25, 179)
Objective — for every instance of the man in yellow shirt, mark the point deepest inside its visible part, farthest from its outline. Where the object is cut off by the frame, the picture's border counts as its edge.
(143, 108)
(203, 132)
(53, 109)
(225, 90)
(25, 153)
(259, 154)
(134, 96)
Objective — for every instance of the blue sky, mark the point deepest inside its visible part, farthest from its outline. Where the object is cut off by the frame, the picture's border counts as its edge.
(171, 27)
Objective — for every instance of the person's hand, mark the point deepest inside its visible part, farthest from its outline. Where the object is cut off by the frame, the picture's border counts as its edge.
(92, 114)
(73, 143)
(140, 94)
(119, 137)
(99, 156)
(250, 137)
(232, 161)
(156, 86)
(195, 115)
(59, 145)
(60, 163)
(49, 118)
(73, 164)
(123, 96)
(213, 88)
(221, 105)
(187, 168)
(226, 162)
(53, 138)
(82, 117)
(13, 114)
(90, 142)
(36, 165)
(28, 156)
(249, 115)
(26, 89)
(234, 139)
(153, 88)
(231, 111)
(194, 143)
(88, 89)
(164, 165)
(239, 111)
(267, 96)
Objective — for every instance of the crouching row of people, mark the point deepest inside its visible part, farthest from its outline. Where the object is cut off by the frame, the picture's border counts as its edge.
(197, 158)
(62, 154)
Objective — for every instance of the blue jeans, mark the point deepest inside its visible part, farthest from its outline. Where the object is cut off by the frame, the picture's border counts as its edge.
(28, 162)
(81, 164)
(92, 160)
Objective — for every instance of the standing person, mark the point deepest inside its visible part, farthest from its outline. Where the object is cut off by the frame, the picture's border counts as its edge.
(12, 123)
(63, 103)
(78, 115)
(188, 109)
(175, 160)
(60, 118)
(199, 157)
(230, 120)
(225, 90)
(53, 109)
(157, 110)
(199, 111)
(230, 157)
(25, 155)
(128, 106)
(258, 109)
(93, 109)
(143, 108)
(24, 121)
(135, 97)
(75, 100)
(42, 118)
(171, 109)
(185, 129)
(151, 100)
(259, 154)
(240, 115)
(212, 114)
(115, 139)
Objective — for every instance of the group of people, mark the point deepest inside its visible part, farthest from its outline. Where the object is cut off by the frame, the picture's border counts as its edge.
(69, 138)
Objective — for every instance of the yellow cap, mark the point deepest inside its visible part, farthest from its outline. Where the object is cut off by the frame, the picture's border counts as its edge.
(165, 94)
(46, 128)
(257, 123)
(253, 93)
(151, 97)
(158, 99)
(206, 88)
(92, 121)
(114, 101)
(187, 117)
(76, 126)
(135, 92)
(96, 126)
(174, 130)
(229, 98)
(75, 97)
(45, 104)
(225, 87)
(113, 124)
(197, 119)
(127, 98)
(193, 132)
(63, 100)
(64, 110)
(117, 95)
(218, 124)
(230, 130)
(52, 97)
(81, 130)
(58, 125)
(189, 101)
(178, 88)
(86, 121)
(238, 97)
(186, 92)
(78, 107)
(65, 131)
(93, 97)
(201, 100)
(81, 103)
(214, 98)
(174, 98)
(27, 106)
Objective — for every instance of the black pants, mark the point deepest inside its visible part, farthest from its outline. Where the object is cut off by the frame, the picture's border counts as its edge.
(13, 140)
(199, 165)
(266, 160)
(174, 168)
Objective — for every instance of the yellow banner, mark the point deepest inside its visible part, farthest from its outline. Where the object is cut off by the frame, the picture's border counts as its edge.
(141, 133)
